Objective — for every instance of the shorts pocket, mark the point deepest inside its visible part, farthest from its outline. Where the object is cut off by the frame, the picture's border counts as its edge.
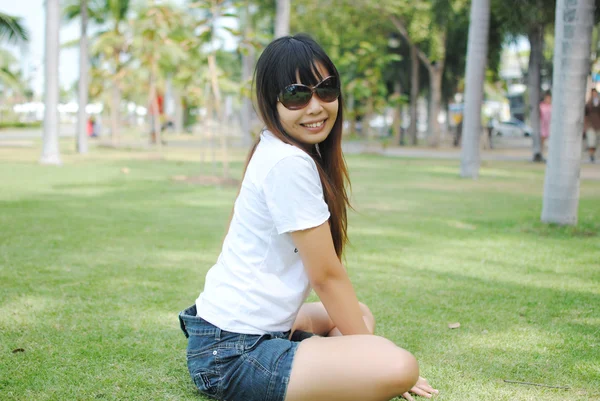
(252, 341)
(207, 381)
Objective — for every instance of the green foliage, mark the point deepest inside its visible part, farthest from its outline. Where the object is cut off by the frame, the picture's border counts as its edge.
(19, 124)
(12, 30)
(11, 77)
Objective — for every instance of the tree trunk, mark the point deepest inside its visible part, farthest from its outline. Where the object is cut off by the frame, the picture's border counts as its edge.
(82, 143)
(573, 33)
(178, 119)
(50, 150)
(475, 73)
(282, 19)
(414, 94)
(435, 84)
(212, 66)
(397, 120)
(536, 42)
(247, 63)
(115, 102)
(155, 110)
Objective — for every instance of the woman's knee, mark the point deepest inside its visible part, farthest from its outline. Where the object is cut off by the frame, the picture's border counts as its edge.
(401, 370)
(402, 374)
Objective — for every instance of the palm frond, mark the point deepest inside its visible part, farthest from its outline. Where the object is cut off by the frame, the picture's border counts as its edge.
(11, 29)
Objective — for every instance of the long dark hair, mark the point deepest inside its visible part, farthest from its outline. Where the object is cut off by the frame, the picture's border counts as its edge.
(279, 65)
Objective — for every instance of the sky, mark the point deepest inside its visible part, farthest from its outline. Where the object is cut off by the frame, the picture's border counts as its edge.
(32, 59)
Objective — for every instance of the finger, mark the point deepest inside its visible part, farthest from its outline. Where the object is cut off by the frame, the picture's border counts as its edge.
(408, 396)
(421, 392)
(427, 387)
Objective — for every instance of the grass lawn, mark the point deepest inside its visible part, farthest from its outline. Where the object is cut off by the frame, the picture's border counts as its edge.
(95, 264)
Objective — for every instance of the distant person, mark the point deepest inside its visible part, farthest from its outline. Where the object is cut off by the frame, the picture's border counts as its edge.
(592, 123)
(458, 121)
(545, 117)
(90, 126)
(251, 336)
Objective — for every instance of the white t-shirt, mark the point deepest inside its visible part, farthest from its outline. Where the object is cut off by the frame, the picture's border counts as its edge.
(259, 283)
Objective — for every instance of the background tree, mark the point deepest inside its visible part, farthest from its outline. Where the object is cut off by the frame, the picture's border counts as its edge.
(475, 74)
(111, 45)
(429, 21)
(573, 33)
(529, 18)
(282, 19)
(157, 45)
(10, 73)
(82, 98)
(12, 30)
(50, 150)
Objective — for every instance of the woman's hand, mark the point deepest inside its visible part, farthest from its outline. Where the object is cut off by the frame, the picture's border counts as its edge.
(422, 388)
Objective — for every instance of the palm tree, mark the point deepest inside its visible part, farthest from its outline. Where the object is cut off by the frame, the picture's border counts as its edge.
(282, 18)
(50, 152)
(84, 65)
(110, 45)
(12, 30)
(10, 76)
(159, 34)
(476, 62)
(573, 33)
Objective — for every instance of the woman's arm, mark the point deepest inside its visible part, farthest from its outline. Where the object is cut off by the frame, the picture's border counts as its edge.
(329, 278)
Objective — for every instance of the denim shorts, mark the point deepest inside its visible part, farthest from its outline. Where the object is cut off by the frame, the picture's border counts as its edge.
(237, 367)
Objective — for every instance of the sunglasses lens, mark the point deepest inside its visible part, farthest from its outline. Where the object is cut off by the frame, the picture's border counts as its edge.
(328, 90)
(295, 97)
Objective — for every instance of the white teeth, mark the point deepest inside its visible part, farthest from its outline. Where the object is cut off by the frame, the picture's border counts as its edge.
(314, 125)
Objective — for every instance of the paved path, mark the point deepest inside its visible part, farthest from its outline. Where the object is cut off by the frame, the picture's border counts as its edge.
(505, 149)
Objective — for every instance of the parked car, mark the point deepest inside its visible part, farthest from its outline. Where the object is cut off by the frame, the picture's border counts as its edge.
(510, 128)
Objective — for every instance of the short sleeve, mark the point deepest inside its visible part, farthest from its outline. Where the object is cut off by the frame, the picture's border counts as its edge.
(294, 195)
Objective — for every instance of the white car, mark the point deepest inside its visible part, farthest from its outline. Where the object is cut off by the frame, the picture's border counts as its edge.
(510, 128)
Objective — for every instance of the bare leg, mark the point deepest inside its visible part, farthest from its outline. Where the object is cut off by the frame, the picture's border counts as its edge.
(313, 317)
(350, 368)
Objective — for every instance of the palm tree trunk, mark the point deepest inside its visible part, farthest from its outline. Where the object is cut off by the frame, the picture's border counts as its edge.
(435, 83)
(247, 63)
(212, 66)
(178, 118)
(82, 144)
(414, 93)
(282, 19)
(115, 101)
(397, 120)
(573, 33)
(50, 150)
(477, 48)
(155, 114)
(536, 42)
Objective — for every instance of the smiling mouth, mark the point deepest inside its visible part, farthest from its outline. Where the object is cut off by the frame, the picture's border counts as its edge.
(314, 125)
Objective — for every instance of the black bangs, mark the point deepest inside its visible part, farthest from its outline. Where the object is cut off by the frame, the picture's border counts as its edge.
(291, 57)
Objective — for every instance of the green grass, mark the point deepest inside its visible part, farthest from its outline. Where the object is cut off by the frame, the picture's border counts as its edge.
(95, 265)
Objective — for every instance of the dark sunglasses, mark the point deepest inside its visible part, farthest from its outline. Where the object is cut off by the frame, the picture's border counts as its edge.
(297, 96)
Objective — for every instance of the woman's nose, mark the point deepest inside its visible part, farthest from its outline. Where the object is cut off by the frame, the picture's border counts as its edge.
(314, 106)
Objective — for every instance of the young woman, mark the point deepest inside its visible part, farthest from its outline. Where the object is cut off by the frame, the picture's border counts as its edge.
(250, 332)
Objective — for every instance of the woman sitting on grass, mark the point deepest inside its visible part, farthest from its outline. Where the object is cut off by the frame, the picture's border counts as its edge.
(250, 332)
